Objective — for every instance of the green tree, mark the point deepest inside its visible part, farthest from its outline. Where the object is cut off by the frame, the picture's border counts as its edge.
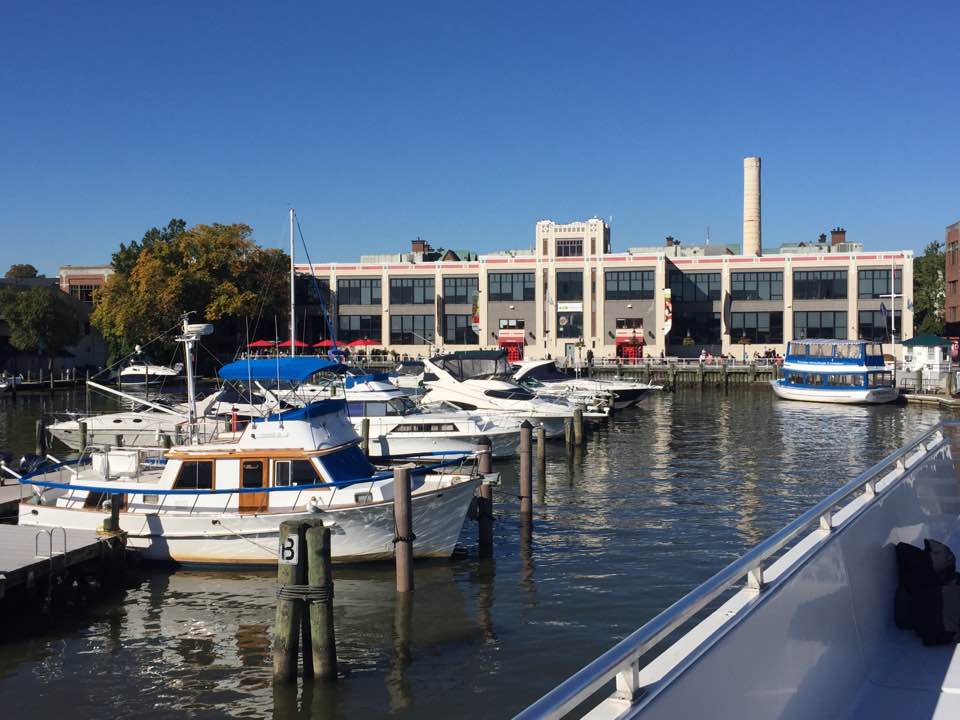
(215, 270)
(125, 258)
(929, 291)
(22, 270)
(41, 319)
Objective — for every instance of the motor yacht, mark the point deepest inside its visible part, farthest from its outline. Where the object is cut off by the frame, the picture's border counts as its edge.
(482, 380)
(141, 372)
(544, 376)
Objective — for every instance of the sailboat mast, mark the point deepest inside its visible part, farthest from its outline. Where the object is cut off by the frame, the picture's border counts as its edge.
(293, 305)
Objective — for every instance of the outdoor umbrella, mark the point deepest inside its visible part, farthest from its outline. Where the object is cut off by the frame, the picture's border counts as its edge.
(324, 343)
(300, 344)
(362, 342)
(261, 344)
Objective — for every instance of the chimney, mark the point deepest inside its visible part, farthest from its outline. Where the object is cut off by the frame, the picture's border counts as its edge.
(420, 246)
(838, 235)
(669, 240)
(751, 206)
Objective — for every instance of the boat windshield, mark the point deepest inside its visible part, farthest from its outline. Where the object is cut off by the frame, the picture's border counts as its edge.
(410, 367)
(402, 406)
(476, 368)
(546, 373)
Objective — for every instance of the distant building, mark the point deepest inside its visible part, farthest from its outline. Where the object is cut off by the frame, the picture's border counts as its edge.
(81, 281)
(951, 308)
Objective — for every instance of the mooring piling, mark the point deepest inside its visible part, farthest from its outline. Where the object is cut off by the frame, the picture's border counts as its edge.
(578, 425)
(41, 433)
(568, 432)
(403, 522)
(84, 437)
(286, 638)
(485, 497)
(365, 436)
(320, 579)
(541, 443)
(526, 469)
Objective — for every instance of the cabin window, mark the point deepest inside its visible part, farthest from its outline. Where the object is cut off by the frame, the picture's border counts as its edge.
(195, 475)
(294, 472)
(425, 427)
(376, 409)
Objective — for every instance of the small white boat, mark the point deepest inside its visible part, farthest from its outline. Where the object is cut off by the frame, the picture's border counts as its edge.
(222, 502)
(806, 632)
(8, 382)
(544, 375)
(835, 371)
(140, 372)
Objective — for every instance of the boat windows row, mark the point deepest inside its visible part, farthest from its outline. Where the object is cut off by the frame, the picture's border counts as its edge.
(860, 380)
(199, 474)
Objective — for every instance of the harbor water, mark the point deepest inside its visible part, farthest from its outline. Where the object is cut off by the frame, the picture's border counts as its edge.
(660, 498)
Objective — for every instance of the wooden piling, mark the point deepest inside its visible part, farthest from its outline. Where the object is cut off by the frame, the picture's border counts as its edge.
(526, 469)
(320, 579)
(578, 425)
(403, 522)
(112, 523)
(41, 436)
(287, 623)
(541, 443)
(365, 436)
(51, 382)
(485, 498)
(83, 436)
(568, 432)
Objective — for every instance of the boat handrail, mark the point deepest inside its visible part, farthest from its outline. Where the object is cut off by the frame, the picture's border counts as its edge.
(622, 661)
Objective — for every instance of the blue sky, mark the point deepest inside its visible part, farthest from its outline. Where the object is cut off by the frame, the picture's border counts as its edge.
(465, 123)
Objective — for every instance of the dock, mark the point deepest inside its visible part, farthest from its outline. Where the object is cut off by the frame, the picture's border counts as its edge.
(37, 560)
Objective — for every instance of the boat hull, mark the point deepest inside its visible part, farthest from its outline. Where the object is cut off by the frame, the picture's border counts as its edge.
(411, 446)
(361, 533)
(845, 396)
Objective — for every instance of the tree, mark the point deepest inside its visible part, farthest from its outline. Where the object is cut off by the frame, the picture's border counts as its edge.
(125, 258)
(215, 270)
(929, 291)
(41, 319)
(23, 270)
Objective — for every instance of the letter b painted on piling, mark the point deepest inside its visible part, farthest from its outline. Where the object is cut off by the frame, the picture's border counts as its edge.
(289, 551)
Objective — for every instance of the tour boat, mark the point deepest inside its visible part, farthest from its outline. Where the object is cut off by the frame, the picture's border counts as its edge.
(544, 375)
(222, 502)
(803, 632)
(481, 380)
(835, 371)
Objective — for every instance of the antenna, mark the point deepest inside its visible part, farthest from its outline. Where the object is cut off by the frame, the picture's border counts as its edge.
(708, 234)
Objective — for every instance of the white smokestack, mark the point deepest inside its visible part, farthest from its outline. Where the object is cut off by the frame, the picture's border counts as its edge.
(751, 206)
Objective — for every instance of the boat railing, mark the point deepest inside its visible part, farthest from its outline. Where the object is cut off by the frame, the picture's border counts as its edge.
(622, 662)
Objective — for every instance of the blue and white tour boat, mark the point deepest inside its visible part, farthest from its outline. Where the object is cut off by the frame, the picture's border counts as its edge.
(835, 371)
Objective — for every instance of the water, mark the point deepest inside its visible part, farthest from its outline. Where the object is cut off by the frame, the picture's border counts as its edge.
(661, 498)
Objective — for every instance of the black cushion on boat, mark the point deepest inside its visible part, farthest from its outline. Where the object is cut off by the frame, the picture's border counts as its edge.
(928, 592)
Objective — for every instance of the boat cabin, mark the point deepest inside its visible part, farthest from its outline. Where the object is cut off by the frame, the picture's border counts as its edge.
(830, 363)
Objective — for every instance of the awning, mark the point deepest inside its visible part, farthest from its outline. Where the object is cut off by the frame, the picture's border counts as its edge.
(509, 341)
(511, 336)
(629, 340)
(288, 369)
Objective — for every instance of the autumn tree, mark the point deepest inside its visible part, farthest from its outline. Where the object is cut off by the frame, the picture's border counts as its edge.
(929, 290)
(125, 258)
(216, 271)
(41, 319)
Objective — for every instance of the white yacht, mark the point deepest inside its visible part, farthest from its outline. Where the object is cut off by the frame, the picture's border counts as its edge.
(399, 428)
(544, 376)
(807, 632)
(141, 372)
(481, 380)
(409, 375)
(835, 371)
(9, 382)
(221, 502)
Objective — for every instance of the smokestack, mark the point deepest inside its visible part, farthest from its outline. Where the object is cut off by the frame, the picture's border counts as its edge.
(751, 206)
(838, 235)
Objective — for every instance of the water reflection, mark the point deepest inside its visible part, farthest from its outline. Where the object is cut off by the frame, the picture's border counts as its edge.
(658, 499)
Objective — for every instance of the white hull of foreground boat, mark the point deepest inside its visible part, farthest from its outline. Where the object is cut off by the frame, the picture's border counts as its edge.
(848, 396)
(359, 533)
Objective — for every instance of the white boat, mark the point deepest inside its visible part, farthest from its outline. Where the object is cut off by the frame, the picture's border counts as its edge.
(140, 372)
(221, 503)
(835, 371)
(544, 375)
(810, 632)
(409, 375)
(481, 380)
(8, 382)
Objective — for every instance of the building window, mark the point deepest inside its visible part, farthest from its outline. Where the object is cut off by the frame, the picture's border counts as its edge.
(511, 324)
(756, 286)
(411, 330)
(571, 247)
(411, 291)
(876, 283)
(504, 287)
(702, 327)
(569, 286)
(819, 284)
(457, 330)
(358, 327)
(629, 323)
(358, 292)
(757, 327)
(820, 324)
(872, 325)
(694, 287)
(952, 287)
(629, 285)
(570, 325)
(195, 475)
(460, 290)
(83, 293)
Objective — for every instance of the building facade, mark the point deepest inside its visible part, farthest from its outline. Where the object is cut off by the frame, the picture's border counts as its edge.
(572, 294)
(81, 281)
(951, 310)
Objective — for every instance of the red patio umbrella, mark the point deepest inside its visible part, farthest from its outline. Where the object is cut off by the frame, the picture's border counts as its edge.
(261, 344)
(299, 344)
(324, 343)
(361, 342)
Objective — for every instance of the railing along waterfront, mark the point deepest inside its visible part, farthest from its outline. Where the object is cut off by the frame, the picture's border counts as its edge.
(622, 661)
